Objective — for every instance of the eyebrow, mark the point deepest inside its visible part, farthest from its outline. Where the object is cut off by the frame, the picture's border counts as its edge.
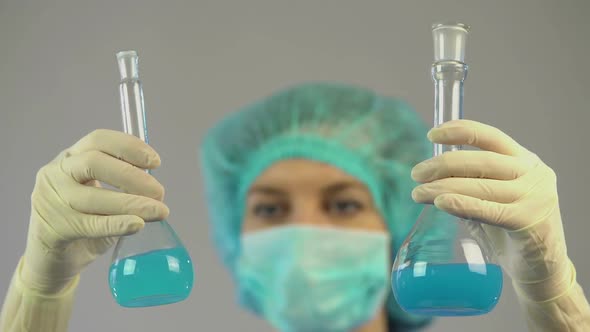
(341, 186)
(267, 190)
(331, 189)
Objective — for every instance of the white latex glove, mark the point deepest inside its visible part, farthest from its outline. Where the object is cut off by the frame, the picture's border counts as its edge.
(512, 193)
(73, 220)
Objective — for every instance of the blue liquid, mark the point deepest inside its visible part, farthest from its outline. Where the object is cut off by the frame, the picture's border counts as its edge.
(448, 289)
(155, 278)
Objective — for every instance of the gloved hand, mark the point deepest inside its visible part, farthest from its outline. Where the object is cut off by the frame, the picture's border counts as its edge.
(73, 220)
(512, 193)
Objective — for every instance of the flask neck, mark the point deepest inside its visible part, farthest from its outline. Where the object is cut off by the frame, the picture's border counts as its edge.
(448, 79)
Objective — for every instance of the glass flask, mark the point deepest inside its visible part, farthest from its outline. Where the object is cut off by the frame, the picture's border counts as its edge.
(151, 267)
(446, 266)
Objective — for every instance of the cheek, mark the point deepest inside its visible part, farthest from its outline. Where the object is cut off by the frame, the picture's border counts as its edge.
(251, 224)
(374, 222)
(367, 220)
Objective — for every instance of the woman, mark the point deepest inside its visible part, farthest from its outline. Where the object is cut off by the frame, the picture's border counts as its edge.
(310, 194)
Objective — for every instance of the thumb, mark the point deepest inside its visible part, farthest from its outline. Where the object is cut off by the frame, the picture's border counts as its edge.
(97, 226)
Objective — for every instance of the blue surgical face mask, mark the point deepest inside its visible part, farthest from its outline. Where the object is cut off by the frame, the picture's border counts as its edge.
(304, 278)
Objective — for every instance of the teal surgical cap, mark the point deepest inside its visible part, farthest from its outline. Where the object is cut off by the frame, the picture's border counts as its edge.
(371, 137)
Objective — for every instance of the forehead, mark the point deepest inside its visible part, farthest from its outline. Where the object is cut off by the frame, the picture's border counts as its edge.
(302, 172)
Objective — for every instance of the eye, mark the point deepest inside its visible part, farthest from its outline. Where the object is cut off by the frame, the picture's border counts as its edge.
(269, 211)
(344, 207)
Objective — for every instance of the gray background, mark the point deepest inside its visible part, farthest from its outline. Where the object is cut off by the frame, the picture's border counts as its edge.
(202, 59)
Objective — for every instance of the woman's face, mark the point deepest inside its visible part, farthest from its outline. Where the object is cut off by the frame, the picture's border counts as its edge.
(305, 192)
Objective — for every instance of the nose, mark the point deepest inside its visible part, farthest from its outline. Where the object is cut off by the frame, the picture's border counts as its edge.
(309, 214)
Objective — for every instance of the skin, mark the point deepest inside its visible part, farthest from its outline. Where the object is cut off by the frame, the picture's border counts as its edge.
(299, 191)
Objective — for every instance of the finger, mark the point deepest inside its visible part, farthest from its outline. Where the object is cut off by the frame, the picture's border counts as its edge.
(491, 190)
(119, 145)
(93, 183)
(485, 137)
(471, 164)
(474, 209)
(101, 201)
(95, 226)
(96, 165)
